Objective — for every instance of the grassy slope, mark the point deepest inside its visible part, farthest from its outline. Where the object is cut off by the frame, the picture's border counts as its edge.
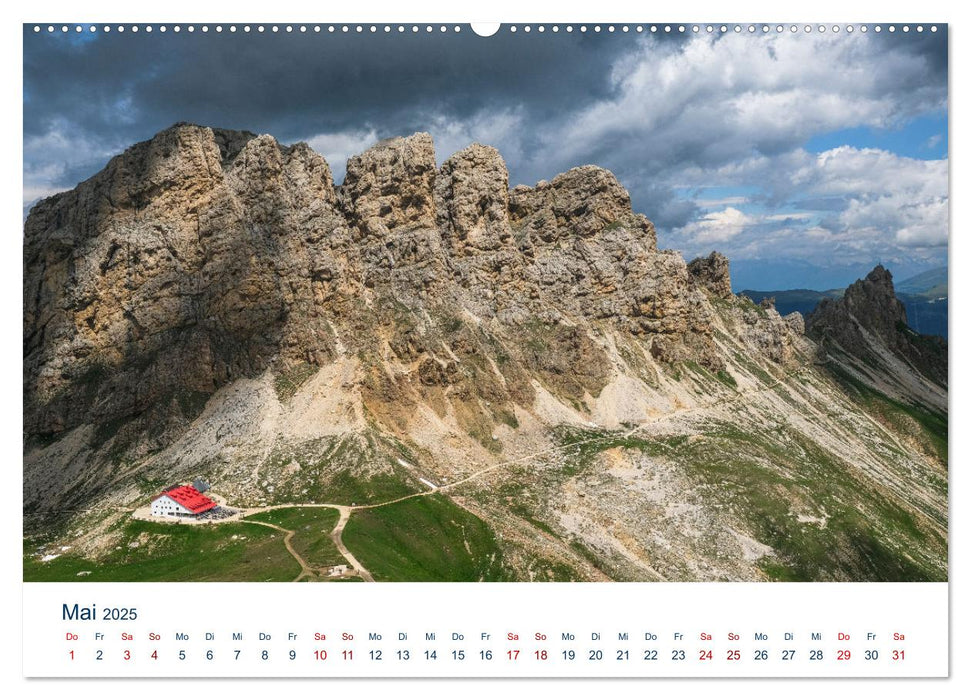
(766, 479)
(311, 528)
(424, 539)
(178, 553)
(917, 421)
(354, 469)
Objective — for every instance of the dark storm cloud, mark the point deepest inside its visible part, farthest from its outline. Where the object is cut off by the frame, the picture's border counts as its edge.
(297, 84)
(110, 90)
(666, 113)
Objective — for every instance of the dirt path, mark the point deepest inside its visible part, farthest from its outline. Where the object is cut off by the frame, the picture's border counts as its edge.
(305, 569)
(336, 535)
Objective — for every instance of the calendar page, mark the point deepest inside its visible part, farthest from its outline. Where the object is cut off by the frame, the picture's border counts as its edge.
(575, 350)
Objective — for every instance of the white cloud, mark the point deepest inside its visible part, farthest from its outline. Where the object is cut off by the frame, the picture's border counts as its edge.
(710, 101)
(845, 204)
(336, 147)
(717, 227)
(890, 198)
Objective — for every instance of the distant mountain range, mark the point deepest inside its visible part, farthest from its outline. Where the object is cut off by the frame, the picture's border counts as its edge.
(924, 297)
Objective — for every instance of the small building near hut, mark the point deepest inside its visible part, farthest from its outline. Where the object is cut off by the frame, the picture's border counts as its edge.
(181, 501)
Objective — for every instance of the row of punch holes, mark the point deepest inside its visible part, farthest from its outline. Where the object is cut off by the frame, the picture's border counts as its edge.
(513, 28)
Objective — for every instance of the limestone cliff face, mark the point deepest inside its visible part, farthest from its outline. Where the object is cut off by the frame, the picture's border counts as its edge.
(203, 256)
(191, 259)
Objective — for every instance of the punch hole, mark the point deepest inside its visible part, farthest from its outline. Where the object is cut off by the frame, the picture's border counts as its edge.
(484, 29)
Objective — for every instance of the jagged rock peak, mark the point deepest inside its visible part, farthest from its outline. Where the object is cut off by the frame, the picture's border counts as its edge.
(712, 273)
(584, 202)
(869, 311)
(391, 185)
(472, 194)
(871, 301)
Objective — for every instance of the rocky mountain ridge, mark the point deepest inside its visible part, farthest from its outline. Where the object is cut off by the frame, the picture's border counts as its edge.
(212, 304)
(234, 254)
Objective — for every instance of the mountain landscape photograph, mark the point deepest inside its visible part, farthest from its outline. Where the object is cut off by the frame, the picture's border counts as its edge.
(574, 306)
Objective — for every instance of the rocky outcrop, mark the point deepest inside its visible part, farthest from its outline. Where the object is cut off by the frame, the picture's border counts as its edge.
(868, 320)
(711, 274)
(472, 191)
(796, 322)
(390, 187)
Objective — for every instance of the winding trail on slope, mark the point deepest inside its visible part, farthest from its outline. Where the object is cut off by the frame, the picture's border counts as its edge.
(305, 569)
(345, 511)
(336, 535)
(732, 398)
